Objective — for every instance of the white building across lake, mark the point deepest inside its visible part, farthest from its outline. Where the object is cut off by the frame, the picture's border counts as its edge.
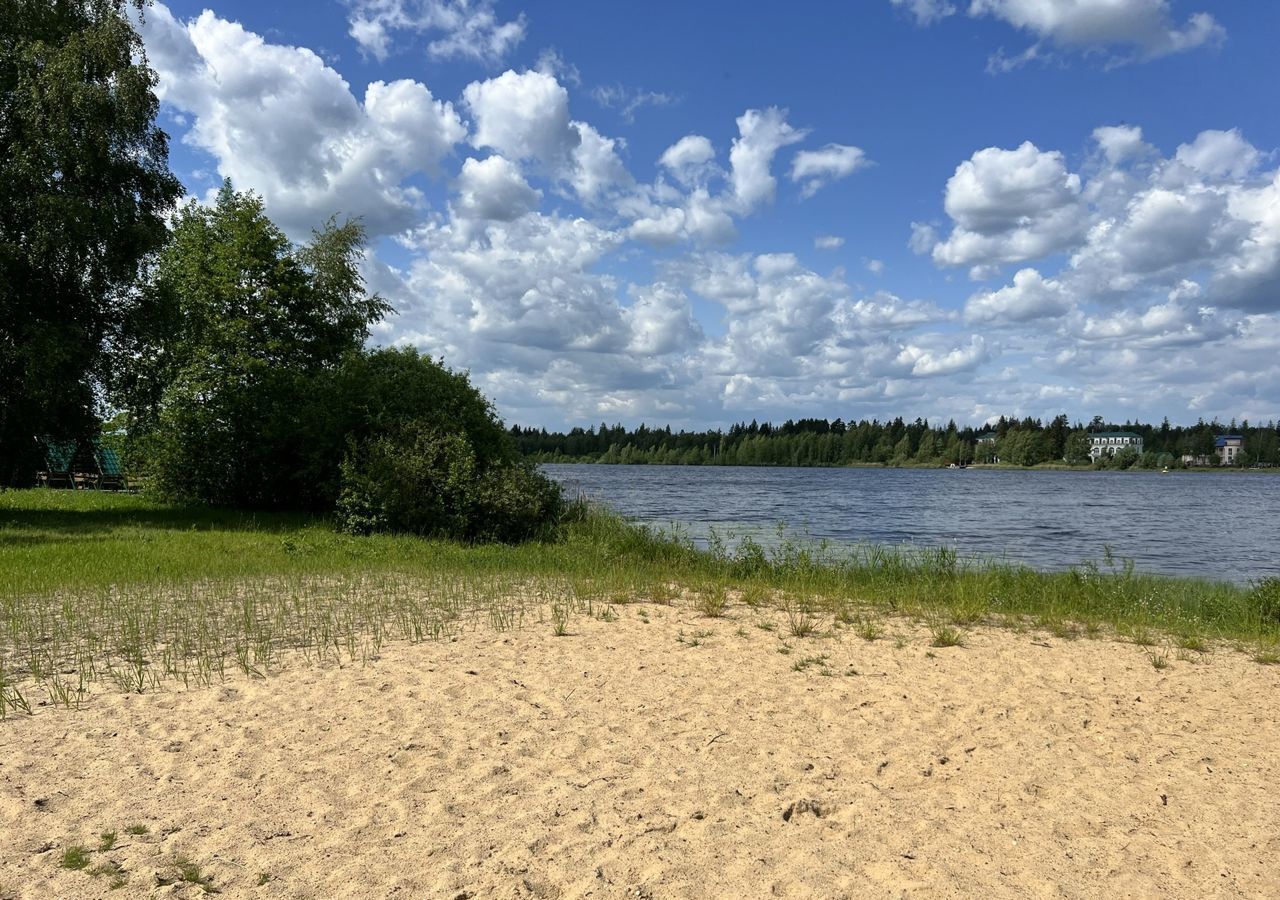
(1228, 447)
(1109, 443)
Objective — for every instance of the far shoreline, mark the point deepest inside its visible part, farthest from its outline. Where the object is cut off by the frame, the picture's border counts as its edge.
(987, 467)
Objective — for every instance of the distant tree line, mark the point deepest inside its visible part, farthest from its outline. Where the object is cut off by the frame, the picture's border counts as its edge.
(820, 442)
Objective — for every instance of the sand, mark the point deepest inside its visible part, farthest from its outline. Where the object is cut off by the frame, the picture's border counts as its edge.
(622, 761)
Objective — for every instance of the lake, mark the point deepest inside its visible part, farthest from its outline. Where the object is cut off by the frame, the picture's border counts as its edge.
(1215, 525)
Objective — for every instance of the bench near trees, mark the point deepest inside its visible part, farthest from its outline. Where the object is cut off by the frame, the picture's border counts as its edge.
(80, 465)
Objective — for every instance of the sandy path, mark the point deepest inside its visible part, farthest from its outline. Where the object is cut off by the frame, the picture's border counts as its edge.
(619, 761)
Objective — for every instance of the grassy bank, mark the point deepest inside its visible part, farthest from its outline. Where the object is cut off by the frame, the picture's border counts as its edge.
(101, 589)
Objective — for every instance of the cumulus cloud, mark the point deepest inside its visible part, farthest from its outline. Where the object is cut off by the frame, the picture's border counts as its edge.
(828, 242)
(1146, 25)
(1119, 30)
(761, 134)
(525, 116)
(1009, 206)
(1207, 215)
(1220, 155)
(661, 320)
(690, 160)
(597, 168)
(1030, 296)
(493, 189)
(931, 362)
(664, 215)
(813, 169)
(1248, 275)
(884, 311)
(1161, 233)
(281, 122)
(522, 116)
(1172, 323)
(1119, 143)
(527, 282)
(463, 29)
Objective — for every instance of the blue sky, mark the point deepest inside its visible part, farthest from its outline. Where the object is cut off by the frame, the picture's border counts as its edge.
(703, 213)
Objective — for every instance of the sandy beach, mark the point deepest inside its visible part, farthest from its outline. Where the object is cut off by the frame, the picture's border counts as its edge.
(668, 755)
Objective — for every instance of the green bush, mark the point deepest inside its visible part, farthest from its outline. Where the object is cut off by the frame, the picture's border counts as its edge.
(428, 481)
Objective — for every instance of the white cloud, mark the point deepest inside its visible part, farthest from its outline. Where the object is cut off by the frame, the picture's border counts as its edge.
(526, 284)
(550, 62)
(1030, 296)
(929, 362)
(884, 311)
(1160, 326)
(661, 214)
(706, 219)
(828, 242)
(1222, 155)
(1119, 142)
(661, 321)
(761, 134)
(1009, 206)
(874, 266)
(690, 160)
(924, 237)
(628, 101)
(814, 169)
(1248, 276)
(493, 189)
(926, 11)
(1161, 234)
(597, 168)
(466, 29)
(1120, 31)
(523, 116)
(1145, 29)
(701, 218)
(281, 122)
(663, 227)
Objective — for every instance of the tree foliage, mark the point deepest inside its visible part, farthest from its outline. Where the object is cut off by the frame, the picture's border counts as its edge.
(426, 453)
(820, 442)
(226, 379)
(251, 388)
(84, 191)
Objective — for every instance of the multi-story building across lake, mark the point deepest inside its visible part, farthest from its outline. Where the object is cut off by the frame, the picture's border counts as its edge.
(1228, 447)
(1109, 443)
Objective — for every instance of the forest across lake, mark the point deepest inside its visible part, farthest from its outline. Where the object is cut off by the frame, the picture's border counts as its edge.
(896, 442)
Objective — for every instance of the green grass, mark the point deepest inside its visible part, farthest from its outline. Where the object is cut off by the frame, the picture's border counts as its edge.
(946, 636)
(119, 590)
(75, 857)
(187, 871)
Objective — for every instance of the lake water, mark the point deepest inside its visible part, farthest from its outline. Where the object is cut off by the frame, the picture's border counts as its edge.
(1218, 525)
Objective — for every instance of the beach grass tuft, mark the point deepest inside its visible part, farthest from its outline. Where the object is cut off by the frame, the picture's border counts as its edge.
(75, 857)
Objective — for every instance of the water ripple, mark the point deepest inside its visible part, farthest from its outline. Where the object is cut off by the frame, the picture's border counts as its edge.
(1218, 525)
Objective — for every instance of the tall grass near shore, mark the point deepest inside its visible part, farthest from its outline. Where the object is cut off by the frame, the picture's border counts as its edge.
(119, 590)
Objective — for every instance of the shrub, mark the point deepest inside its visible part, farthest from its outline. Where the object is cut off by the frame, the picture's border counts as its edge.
(427, 481)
